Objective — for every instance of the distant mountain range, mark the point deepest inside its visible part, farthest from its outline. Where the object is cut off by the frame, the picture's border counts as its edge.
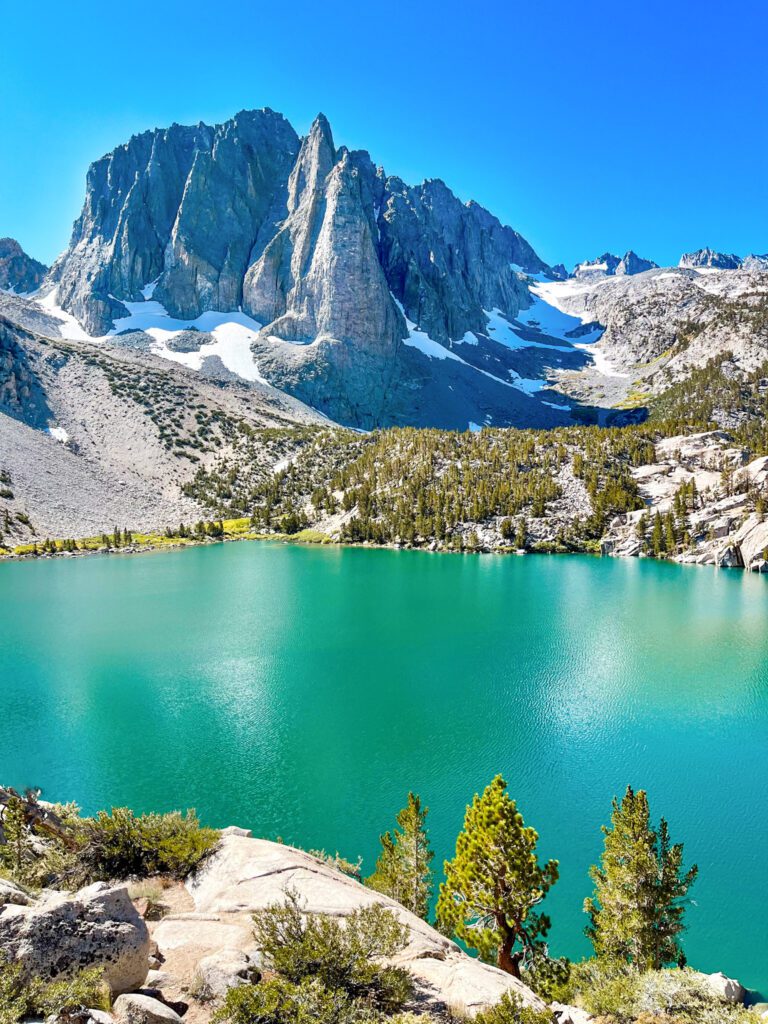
(244, 251)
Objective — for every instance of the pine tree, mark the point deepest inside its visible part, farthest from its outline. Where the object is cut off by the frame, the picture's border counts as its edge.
(495, 881)
(403, 869)
(657, 538)
(636, 913)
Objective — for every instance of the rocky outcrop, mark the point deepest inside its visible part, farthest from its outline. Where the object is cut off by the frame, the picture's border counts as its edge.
(20, 388)
(212, 945)
(564, 1014)
(19, 273)
(12, 893)
(729, 990)
(725, 530)
(61, 933)
(226, 969)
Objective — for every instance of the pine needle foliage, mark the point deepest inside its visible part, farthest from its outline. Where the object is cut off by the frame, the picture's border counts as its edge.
(495, 883)
(403, 868)
(636, 912)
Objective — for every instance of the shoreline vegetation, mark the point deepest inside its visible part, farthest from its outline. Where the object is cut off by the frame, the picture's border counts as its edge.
(307, 965)
(236, 530)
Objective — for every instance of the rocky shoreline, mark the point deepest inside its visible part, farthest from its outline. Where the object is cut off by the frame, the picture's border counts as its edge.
(172, 955)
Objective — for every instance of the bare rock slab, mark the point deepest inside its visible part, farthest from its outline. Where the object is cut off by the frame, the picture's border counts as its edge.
(245, 876)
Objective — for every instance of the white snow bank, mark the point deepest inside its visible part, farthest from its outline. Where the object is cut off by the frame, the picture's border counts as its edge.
(556, 322)
(232, 334)
(434, 350)
(602, 363)
(500, 329)
(59, 434)
(70, 328)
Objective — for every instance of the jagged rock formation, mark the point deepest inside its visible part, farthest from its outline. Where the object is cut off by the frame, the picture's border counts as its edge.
(19, 273)
(609, 265)
(755, 262)
(325, 251)
(710, 258)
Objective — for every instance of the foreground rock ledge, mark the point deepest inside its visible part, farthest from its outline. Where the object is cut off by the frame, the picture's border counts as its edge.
(61, 933)
(247, 875)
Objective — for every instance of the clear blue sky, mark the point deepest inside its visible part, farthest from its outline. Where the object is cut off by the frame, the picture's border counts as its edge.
(585, 125)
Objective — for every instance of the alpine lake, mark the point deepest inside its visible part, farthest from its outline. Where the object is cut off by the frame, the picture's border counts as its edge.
(303, 691)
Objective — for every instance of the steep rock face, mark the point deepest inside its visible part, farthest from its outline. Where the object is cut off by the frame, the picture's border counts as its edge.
(184, 203)
(447, 261)
(18, 272)
(323, 250)
(231, 197)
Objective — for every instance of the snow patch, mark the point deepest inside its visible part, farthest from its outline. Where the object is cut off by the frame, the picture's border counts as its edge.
(601, 362)
(149, 289)
(501, 329)
(70, 327)
(232, 336)
(59, 434)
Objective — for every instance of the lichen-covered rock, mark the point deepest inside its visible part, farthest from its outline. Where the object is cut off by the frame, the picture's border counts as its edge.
(141, 1009)
(63, 933)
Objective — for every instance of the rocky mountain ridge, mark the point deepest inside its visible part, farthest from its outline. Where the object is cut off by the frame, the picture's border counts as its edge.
(609, 265)
(359, 286)
(721, 261)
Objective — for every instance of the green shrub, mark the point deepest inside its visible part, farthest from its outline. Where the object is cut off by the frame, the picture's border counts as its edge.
(279, 1001)
(511, 1011)
(344, 957)
(122, 844)
(23, 997)
(620, 994)
(547, 976)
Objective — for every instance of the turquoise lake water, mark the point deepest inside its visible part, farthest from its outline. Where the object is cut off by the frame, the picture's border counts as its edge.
(302, 692)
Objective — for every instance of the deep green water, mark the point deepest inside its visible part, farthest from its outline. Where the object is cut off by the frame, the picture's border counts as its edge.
(302, 692)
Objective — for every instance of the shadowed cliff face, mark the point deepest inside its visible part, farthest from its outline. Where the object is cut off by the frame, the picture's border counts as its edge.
(19, 273)
(320, 247)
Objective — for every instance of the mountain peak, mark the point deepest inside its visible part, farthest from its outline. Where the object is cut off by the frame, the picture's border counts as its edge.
(19, 273)
(710, 258)
(611, 265)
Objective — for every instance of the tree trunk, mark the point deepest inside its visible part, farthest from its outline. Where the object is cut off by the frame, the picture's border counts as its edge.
(505, 958)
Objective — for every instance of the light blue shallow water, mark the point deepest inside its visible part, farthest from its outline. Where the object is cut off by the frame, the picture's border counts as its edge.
(302, 692)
